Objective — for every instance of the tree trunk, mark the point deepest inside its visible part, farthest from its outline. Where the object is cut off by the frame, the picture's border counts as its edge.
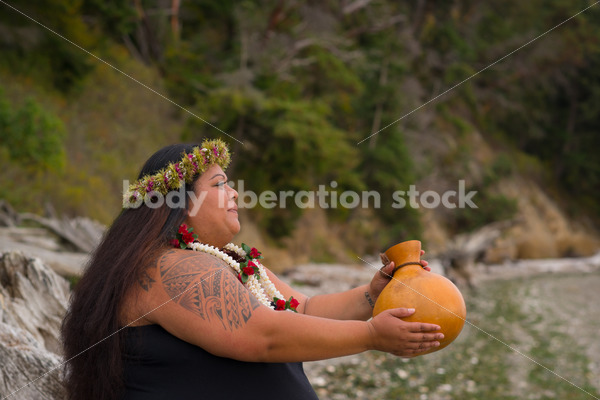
(383, 79)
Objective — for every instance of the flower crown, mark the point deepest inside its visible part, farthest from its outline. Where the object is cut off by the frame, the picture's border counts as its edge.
(172, 177)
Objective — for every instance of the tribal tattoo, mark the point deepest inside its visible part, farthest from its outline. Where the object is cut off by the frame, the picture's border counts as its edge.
(146, 281)
(203, 285)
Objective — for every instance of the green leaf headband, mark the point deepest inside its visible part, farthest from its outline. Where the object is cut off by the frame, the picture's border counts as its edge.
(172, 177)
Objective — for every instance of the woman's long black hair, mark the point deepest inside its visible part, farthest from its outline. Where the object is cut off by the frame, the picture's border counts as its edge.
(91, 331)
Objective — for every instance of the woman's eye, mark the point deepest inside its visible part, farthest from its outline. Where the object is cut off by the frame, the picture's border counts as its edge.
(222, 183)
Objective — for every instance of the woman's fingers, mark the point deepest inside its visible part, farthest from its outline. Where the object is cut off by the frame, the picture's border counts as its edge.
(426, 337)
(403, 312)
(404, 339)
(386, 270)
(423, 327)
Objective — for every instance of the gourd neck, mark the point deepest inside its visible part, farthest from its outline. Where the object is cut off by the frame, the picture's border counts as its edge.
(405, 254)
(407, 264)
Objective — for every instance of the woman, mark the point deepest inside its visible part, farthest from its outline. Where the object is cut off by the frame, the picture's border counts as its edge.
(167, 309)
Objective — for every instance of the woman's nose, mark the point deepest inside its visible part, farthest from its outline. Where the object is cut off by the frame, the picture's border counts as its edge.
(235, 193)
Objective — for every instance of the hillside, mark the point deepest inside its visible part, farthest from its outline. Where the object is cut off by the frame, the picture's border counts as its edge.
(312, 94)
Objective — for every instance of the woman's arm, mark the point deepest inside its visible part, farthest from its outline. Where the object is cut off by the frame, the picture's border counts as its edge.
(195, 297)
(353, 304)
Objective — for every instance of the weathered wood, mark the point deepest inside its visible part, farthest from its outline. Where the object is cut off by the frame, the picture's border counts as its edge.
(38, 242)
(466, 249)
(81, 233)
(475, 243)
(27, 370)
(33, 302)
(8, 215)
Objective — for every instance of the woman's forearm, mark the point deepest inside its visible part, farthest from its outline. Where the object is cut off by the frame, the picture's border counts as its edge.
(307, 338)
(354, 304)
(286, 336)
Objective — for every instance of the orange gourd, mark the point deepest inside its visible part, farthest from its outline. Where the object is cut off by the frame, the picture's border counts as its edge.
(436, 300)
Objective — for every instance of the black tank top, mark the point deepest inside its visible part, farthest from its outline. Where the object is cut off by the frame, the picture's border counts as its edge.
(158, 365)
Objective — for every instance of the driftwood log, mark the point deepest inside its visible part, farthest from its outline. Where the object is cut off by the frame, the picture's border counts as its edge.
(81, 234)
(467, 249)
(63, 243)
(33, 300)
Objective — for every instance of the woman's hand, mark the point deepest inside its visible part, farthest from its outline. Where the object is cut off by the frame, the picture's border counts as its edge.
(404, 339)
(382, 278)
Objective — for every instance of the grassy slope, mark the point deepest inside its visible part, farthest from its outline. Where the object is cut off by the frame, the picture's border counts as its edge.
(109, 136)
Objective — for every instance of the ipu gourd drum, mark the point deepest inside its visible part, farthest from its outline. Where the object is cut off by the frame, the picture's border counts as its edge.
(436, 299)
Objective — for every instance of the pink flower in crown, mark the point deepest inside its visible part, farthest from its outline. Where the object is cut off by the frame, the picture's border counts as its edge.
(215, 151)
(192, 159)
(134, 197)
(179, 171)
(150, 185)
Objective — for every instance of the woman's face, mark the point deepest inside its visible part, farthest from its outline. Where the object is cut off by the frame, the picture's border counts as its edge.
(212, 210)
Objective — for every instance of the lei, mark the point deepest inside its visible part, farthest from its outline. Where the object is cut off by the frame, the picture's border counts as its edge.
(243, 260)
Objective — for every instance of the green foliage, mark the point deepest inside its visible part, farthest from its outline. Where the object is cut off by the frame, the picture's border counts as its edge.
(491, 208)
(114, 17)
(32, 136)
(36, 50)
(553, 113)
(501, 167)
(300, 84)
(288, 145)
(389, 168)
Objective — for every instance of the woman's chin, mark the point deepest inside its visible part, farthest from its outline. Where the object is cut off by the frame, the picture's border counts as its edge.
(235, 229)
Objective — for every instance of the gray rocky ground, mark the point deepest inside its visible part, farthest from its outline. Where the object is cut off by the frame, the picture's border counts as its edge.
(531, 333)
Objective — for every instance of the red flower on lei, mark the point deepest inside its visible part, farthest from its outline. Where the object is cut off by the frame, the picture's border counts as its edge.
(294, 303)
(248, 266)
(255, 253)
(280, 305)
(250, 269)
(184, 237)
(291, 304)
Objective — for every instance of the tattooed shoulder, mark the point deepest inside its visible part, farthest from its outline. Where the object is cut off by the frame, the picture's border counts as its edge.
(203, 285)
(146, 281)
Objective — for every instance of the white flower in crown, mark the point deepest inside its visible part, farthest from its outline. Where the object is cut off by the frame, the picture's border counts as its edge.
(185, 170)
